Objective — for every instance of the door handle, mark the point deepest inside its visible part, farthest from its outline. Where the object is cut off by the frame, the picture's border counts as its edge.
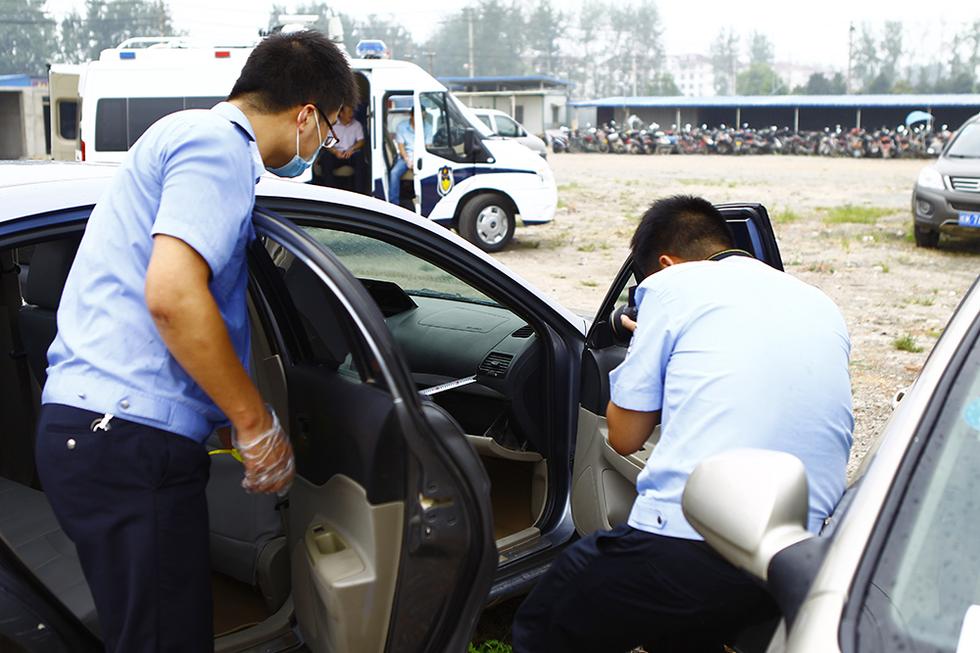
(418, 163)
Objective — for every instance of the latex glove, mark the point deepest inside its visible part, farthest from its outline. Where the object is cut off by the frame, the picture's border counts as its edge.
(268, 460)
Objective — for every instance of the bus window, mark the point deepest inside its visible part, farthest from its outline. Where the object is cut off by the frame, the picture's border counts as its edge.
(119, 122)
(110, 125)
(143, 112)
(68, 119)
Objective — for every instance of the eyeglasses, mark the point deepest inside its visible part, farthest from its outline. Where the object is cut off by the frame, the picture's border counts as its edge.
(331, 138)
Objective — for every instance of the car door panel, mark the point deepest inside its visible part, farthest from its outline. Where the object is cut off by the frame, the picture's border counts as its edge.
(604, 482)
(389, 519)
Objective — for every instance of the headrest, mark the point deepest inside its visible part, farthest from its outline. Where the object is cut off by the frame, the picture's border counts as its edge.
(50, 264)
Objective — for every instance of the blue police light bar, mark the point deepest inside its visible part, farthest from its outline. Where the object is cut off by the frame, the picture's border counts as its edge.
(127, 55)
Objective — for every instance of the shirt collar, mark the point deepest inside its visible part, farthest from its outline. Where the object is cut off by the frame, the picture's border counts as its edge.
(235, 115)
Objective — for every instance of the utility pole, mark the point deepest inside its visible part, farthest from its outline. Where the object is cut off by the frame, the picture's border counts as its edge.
(633, 74)
(431, 56)
(850, 54)
(469, 21)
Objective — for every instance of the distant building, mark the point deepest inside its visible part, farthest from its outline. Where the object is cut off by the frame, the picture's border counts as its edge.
(693, 74)
(24, 130)
(538, 102)
(799, 112)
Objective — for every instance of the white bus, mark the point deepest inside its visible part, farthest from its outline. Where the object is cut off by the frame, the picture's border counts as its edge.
(463, 176)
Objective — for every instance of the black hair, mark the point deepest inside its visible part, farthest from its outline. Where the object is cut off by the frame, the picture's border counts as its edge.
(682, 225)
(304, 67)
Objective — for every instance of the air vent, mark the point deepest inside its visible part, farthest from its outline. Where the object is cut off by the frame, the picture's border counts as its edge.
(495, 364)
(524, 332)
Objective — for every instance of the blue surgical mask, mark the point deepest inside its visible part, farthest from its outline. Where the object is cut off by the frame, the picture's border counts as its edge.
(298, 165)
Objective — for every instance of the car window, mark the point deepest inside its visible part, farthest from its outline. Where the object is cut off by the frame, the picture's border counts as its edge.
(967, 143)
(486, 121)
(372, 259)
(928, 574)
(119, 122)
(507, 127)
(445, 126)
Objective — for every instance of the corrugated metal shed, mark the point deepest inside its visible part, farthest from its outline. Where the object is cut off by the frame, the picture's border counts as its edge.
(789, 101)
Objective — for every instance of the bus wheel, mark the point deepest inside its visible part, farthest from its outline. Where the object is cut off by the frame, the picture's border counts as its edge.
(486, 222)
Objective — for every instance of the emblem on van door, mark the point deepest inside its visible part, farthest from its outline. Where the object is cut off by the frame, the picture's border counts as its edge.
(445, 183)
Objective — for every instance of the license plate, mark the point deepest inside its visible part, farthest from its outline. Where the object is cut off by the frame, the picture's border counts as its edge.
(968, 219)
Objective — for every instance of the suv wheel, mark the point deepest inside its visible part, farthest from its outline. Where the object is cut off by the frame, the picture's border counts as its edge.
(926, 237)
(486, 222)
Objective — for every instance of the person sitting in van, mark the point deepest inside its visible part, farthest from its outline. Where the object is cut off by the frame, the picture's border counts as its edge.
(349, 151)
(405, 144)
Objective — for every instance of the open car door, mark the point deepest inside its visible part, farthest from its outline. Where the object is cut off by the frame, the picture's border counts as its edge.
(604, 482)
(390, 532)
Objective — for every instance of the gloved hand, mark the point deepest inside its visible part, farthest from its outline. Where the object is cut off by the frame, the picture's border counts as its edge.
(268, 459)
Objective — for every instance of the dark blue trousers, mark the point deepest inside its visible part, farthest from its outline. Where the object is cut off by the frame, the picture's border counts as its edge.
(132, 500)
(615, 590)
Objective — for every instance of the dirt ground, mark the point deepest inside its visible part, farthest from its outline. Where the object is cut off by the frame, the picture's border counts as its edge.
(842, 225)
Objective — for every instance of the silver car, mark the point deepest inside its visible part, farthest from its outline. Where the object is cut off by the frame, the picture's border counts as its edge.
(501, 124)
(946, 197)
(897, 566)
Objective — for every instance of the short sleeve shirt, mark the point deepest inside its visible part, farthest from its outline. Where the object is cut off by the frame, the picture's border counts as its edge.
(405, 134)
(736, 355)
(348, 135)
(191, 176)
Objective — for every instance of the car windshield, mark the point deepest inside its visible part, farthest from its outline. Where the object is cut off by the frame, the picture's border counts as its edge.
(369, 258)
(967, 143)
(928, 574)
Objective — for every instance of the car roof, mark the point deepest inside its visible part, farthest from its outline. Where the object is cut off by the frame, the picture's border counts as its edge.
(37, 187)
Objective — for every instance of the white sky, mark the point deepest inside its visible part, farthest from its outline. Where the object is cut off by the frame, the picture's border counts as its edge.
(802, 32)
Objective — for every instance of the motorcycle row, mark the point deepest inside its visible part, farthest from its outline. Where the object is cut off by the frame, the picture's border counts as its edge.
(638, 138)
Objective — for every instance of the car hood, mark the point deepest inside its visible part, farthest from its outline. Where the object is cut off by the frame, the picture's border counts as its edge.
(954, 166)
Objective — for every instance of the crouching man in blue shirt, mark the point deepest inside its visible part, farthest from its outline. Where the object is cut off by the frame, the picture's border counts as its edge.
(727, 353)
(152, 341)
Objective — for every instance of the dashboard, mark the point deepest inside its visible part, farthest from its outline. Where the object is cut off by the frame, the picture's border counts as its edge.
(494, 354)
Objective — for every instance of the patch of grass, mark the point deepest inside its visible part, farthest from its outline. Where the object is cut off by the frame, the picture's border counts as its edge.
(934, 333)
(490, 646)
(845, 243)
(785, 216)
(572, 185)
(906, 343)
(588, 247)
(884, 267)
(922, 301)
(589, 283)
(910, 237)
(848, 213)
(821, 267)
(562, 204)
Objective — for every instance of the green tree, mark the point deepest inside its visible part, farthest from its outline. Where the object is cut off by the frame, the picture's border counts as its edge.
(661, 84)
(546, 26)
(724, 61)
(106, 23)
(866, 61)
(761, 49)
(28, 37)
(760, 79)
(498, 40)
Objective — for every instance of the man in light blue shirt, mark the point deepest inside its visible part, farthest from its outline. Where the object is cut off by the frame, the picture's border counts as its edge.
(405, 144)
(727, 353)
(153, 336)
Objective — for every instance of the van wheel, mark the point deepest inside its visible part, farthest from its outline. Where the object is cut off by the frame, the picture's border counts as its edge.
(486, 222)
(926, 237)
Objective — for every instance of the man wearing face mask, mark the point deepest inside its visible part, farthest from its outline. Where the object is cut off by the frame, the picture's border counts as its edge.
(152, 341)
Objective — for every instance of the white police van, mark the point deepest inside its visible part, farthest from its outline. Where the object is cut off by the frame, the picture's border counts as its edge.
(463, 176)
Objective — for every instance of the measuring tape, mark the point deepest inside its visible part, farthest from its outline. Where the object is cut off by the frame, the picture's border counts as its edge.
(452, 385)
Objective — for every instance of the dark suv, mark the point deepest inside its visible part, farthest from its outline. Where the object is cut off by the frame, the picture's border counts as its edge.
(946, 196)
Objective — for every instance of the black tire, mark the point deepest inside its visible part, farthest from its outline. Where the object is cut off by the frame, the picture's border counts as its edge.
(488, 222)
(926, 237)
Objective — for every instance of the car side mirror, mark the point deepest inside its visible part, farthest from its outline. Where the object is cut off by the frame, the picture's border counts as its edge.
(469, 141)
(749, 504)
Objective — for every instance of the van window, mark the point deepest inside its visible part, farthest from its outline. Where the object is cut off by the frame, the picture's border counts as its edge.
(447, 123)
(485, 120)
(119, 122)
(68, 119)
(507, 127)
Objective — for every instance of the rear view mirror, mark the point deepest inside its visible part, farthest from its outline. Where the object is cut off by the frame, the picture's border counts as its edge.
(749, 504)
(469, 141)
